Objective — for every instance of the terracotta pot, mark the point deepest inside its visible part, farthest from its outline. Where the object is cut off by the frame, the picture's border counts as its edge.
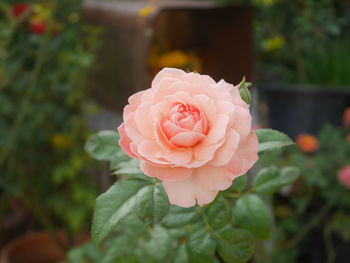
(36, 248)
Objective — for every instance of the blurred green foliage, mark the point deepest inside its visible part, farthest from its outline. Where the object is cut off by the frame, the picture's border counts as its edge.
(317, 203)
(304, 41)
(45, 53)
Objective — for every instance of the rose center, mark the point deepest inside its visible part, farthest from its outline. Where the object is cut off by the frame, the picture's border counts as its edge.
(184, 116)
(184, 125)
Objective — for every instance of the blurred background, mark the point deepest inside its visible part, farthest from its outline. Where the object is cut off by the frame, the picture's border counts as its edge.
(67, 68)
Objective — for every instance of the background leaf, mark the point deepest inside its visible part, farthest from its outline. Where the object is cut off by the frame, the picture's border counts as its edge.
(201, 247)
(179, 216)
(240, 183)
(271, 140)
(270, 180)
(218, 214)
(104, 145)
(113, 205)
(251, 213)
(235, 245)
(152, 204)
(159, 244)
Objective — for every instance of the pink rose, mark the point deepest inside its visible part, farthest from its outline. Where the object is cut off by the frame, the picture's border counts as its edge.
(190, 132)
(344, 176)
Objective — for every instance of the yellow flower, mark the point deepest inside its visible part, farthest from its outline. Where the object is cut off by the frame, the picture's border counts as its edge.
(60, 141)
(274, 43)
(41, 12)
(146, 11)
(174, 58)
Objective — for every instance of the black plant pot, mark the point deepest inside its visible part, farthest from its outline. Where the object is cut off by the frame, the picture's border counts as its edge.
(294, 109)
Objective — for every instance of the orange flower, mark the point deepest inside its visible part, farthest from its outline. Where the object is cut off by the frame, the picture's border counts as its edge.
(346, 117)
(307, 143)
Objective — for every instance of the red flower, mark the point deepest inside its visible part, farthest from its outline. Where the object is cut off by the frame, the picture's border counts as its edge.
(307, 143)
(38, 27)
(19, 9)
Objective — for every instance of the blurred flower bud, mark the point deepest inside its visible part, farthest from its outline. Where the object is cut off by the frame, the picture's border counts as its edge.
(307, 143)
(344, 176)
(346, 117)
(20, 9)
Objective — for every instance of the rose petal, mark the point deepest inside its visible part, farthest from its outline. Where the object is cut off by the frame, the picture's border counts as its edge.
(168, 174)
(170, 129)
(243, 121)
(225, 153)
(166, 73)
(181, 97)
(186, 193)
(143, 123)
(212, 178)
(180, 158)
(161, 138)
(134, 101)
(125, 141)
(208, 107)
(218, 130)
(195, 78)
(150, 150)
(245, 156)
(187, 139)
(131, 129)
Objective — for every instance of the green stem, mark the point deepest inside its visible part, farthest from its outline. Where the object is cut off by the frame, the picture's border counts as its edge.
(208, 226)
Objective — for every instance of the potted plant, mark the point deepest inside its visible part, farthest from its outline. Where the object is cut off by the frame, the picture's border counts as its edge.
(305, 57)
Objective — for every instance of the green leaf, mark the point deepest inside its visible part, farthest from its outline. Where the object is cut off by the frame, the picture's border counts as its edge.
(235, 245)
(179, 216)
(152, 204)
(131, 166)
(181, 255)
(271, 140)
(117, 249)
(201, 247)
(270, 180)
(251, 213)
(159, 244)
(218, 214)
(104, 145)
(240, 183)
(113, 205)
